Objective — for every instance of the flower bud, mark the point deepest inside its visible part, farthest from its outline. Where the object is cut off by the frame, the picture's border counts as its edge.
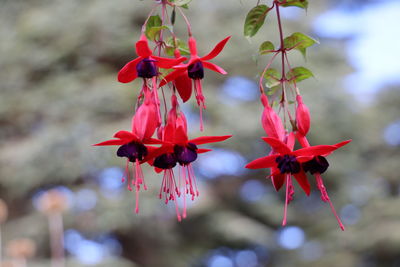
(271, 122)
(302, 116)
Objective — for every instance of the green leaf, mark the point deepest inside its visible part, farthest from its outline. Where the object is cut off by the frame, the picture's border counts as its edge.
(299, 42)
(272, 78)
(170, 47)
(299, 74)
(266, 48)
(153, 27)
(153, 32)
(272, 90)
(254, 20)
(298, 3)
(182, 3)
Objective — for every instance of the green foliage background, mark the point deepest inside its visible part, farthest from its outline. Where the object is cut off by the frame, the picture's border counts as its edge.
(59, 95)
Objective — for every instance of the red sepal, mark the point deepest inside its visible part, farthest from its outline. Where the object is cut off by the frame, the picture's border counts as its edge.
(214, 67)
(264, 162)
(277, 145)
(113, 142)
(142, 47)
(128, 73)
(217, 49)
(209, 139)
(301, 178)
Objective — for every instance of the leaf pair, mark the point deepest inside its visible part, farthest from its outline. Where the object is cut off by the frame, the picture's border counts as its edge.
(256, 16)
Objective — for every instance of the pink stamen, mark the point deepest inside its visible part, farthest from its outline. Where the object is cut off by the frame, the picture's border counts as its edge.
(156, 99)
(126, 173)
(170, 190)
(291, 191)
(288, 182)
(325, 198)
(200, 101)
(193, 178)
(182, 180)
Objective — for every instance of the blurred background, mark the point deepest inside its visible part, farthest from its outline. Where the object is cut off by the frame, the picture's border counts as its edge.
(59, 95)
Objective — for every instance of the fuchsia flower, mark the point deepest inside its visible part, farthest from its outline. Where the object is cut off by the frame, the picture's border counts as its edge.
(178, 149)
(132, 144)
(286, 163)
(195, 71)
(317, 166)
(180, 80)
(145, 65)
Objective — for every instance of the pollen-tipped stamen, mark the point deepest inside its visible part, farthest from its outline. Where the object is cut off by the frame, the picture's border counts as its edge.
(200, 100)
(157, 99)
(325, 198)
(288, 182)
(170, 190)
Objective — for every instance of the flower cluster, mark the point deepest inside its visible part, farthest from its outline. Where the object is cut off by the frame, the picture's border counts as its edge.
(284, 162)
(159, 135)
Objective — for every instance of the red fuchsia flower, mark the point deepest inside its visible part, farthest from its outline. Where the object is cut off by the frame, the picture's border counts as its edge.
(146, 64)
(195, 70)
(317, 166)
(288, 162)
(180, 80)
(178, 149)
(273, 127)
(132, 144)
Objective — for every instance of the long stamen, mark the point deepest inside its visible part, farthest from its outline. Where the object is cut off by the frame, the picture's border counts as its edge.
(126, 173)
(171, 191)
(174, 191)
(325, 198)
(288, 181)
(200, 100)
(193, 177)
(183, 177)
(156, 99)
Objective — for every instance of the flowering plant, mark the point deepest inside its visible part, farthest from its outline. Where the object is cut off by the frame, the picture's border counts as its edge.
(284, 162)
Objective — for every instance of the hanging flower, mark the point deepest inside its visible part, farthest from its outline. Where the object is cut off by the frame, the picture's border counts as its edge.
(178, 149)
(287, 163)
(180, 80)
(317, 166)
(145, 65)
(195, 70)
(133, 144)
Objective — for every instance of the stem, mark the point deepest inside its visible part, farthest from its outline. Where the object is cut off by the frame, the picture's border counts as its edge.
(260, 84)
(189, 28)
(294, 80)
(56, 230)
(147, 19)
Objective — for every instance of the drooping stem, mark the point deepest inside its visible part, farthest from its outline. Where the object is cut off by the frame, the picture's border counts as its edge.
(260, 83)
(189, 28)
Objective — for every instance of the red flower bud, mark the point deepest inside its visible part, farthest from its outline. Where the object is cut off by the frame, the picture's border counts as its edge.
(271, 122)
(302, 116)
